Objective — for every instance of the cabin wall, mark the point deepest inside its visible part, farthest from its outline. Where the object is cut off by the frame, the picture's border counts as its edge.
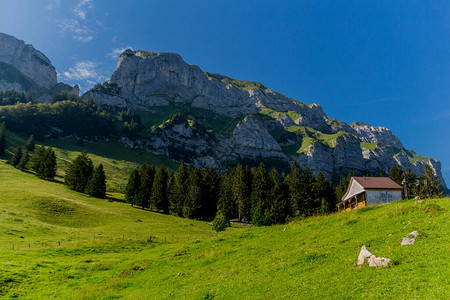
(355, 188)
(382, 196)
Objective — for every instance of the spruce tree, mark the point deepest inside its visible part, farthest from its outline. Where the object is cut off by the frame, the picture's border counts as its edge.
(15, 159)
(79, 172)
(220, 223)
(132, 188)
(30, 144)
(160, 197)
(2, 138)
(429, 186)
(396, 174)
(410, 181)
(178, 190)
(225, 204)
(193, 201)
(48, 165)
(96, 185)
(279, 205)
(37, 159)
(324, 195)
(211, 189)
(147, 173)
(242, 191)
(307, 181)
(293, 183)
(261, 186)
(22, 165)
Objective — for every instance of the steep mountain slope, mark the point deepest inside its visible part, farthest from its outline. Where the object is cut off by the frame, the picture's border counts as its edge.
(26, 69)
(266, 125)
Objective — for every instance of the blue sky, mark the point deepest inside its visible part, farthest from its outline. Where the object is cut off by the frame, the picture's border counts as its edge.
(386, 63)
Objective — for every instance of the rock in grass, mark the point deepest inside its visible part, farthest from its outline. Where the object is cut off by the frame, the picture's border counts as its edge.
(378, 261)
(372, 259)
(410, 239)
(363, 255)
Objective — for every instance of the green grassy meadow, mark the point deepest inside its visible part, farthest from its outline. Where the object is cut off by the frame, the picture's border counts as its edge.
(106, 252)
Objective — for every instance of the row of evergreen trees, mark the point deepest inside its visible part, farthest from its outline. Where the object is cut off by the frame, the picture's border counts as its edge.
(81, 176)
(42, 161)
(253, 195)
(426, 185)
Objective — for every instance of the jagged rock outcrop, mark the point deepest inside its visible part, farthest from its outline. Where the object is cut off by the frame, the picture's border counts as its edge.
(25, 69)
(271, 126)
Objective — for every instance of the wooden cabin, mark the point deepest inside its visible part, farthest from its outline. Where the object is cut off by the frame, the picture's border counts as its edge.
(364, 191)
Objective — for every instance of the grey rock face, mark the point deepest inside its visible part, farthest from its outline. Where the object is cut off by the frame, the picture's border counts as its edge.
(144, 80)
(370, 134)
(27, 60)
(250, 139)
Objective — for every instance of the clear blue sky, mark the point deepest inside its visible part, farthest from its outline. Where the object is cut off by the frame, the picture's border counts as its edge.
(386, 63)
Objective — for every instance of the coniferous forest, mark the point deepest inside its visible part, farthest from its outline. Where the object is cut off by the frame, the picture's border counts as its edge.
(258, 196)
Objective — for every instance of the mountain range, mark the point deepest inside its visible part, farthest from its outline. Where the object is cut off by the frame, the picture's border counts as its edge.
(204, 118)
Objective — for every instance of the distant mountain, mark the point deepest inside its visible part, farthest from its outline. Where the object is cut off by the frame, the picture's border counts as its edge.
(26, 69)
(263, 125)
(203, 118)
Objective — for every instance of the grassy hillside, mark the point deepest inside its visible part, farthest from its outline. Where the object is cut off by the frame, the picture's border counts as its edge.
(306, 259)
(118, 161)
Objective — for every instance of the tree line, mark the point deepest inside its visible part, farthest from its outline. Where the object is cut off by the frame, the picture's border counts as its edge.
(426, 185)
(256, 195)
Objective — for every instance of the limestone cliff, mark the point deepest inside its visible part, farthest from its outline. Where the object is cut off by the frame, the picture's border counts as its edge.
(25, 69)
(266, 125)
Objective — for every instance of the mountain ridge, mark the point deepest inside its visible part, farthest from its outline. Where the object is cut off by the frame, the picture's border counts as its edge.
(269, 122)
(241, 121)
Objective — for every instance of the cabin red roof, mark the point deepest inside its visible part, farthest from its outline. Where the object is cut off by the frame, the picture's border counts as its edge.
(377, 183)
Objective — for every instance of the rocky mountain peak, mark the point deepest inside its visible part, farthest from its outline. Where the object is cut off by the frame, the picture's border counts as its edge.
(29, 61)
(267, 125)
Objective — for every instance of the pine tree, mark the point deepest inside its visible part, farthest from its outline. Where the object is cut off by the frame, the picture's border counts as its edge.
(429, 185)
(96, 185)
(132, 188)
(79, 172)
(396, 174)
(260, 196)
(15, 159)
(242, 191)
(225, 204)
(410, 181)
(307, 181)
(293, 183)
(211, 184)
(48, 166)
(22, 165)
(324, 195)
(30, 145)
(179, 189)
(160, 197)
(36, 159)
(220, 223)
(2, 138)
(193, 201)
(279, 205)
(147, 173)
